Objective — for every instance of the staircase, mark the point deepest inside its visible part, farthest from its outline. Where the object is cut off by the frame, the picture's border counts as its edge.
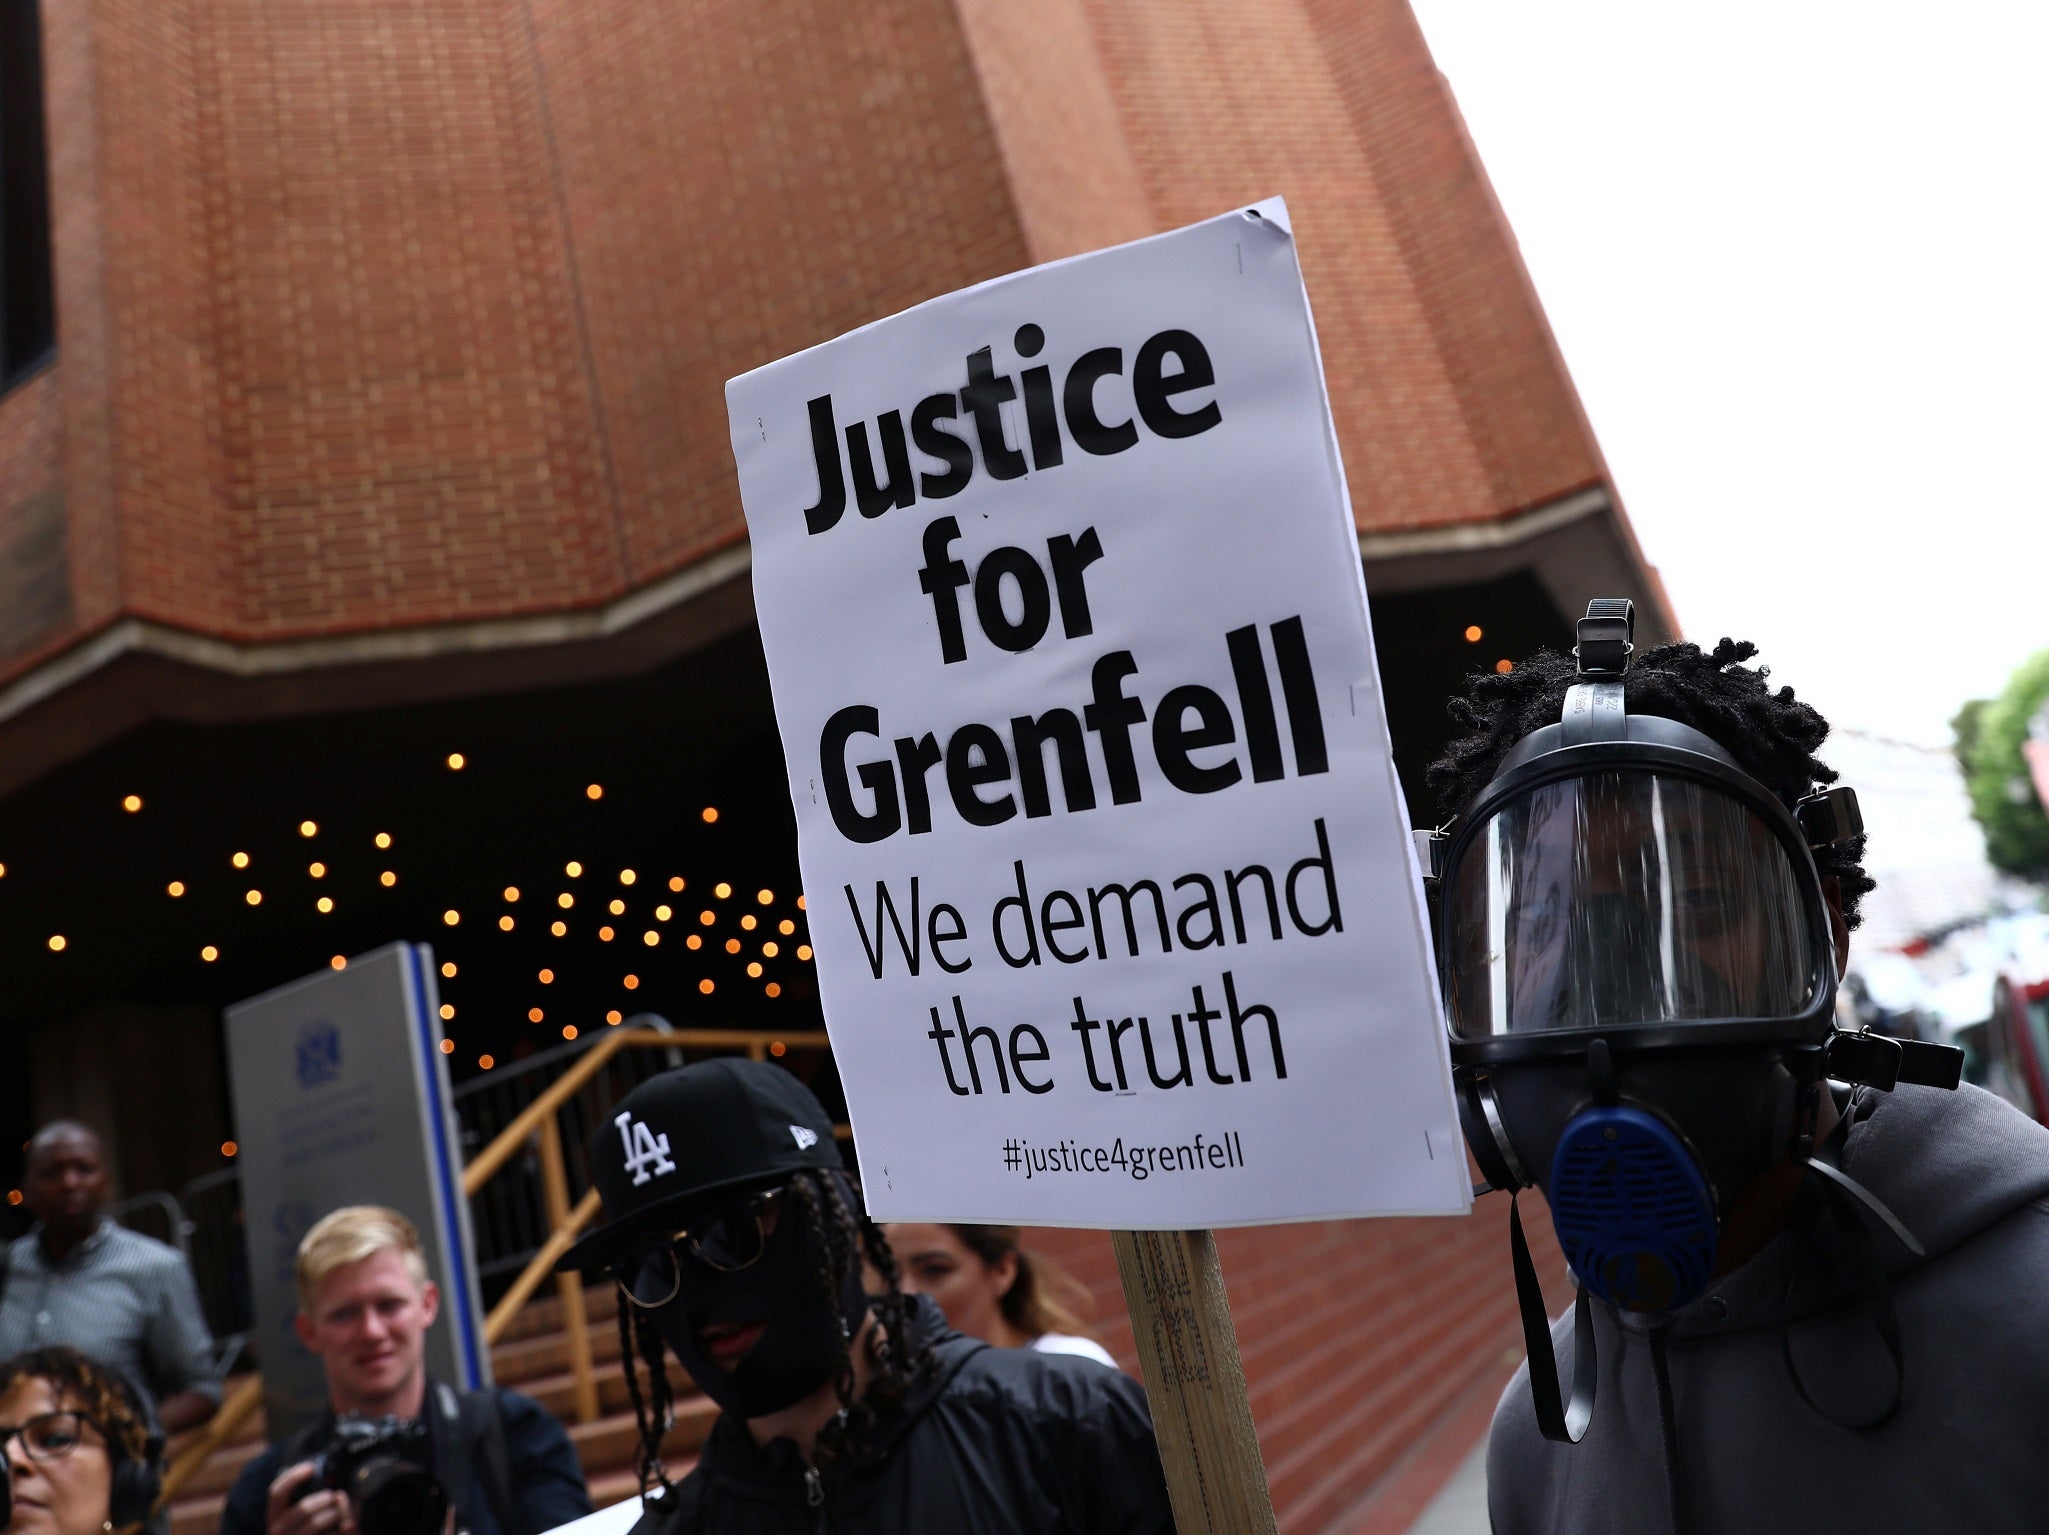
(533, 1357)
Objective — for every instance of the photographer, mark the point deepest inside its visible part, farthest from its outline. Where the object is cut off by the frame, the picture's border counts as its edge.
(81, 1455)
(365, 1304)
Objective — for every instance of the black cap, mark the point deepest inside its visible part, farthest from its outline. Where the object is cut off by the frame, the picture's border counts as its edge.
(680, 1140)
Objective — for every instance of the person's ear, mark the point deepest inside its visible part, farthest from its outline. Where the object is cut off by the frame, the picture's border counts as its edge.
(1838, 925)
(302, 1329)
(430, 1303)
(1004, 1272)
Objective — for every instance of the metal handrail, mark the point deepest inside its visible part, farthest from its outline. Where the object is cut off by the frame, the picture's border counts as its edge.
(219, 1429)
(537, 1120)
(527, 1123)
(173, 1214)
(537, 1268)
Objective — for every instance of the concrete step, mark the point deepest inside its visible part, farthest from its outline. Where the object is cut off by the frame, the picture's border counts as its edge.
(543, 1314)
(609, 1444)
(547, 1353)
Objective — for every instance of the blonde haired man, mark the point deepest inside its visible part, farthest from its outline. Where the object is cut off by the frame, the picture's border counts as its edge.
(365, 1304)
(349, 1235)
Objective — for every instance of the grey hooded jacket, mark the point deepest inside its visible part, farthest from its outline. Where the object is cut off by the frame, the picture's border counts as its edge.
(1967, 1450)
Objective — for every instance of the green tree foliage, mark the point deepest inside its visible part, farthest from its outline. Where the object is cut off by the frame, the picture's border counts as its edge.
(1965, 727)
(1989, 734)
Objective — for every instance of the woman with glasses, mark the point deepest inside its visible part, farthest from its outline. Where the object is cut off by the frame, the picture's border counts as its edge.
(82, 1457)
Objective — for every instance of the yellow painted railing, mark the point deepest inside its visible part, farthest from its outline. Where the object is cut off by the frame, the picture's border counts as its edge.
(220, 1428)
(538, 1122)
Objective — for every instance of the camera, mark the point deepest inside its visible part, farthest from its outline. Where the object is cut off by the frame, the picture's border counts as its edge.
(382, 1466)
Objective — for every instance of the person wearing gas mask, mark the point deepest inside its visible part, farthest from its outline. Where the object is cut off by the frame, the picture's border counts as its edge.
(1810, 1267)
(739, 1244)
(400, 1453)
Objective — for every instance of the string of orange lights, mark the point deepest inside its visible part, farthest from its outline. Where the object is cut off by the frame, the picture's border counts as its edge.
(735, 939)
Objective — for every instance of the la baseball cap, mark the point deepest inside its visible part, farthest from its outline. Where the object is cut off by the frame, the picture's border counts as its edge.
(680, 1141)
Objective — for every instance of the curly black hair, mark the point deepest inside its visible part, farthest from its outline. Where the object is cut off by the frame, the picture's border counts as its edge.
(842, 1237)
(107, 1398)
(1772, 735)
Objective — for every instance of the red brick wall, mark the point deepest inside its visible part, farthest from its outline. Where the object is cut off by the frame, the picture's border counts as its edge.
(35, 581)
(406, 420)
(174, 525)
(1371, 1348)
(394, 314)
(1523, 420)
(768, 175)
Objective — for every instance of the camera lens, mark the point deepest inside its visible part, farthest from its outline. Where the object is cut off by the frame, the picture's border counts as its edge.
(393, 1497)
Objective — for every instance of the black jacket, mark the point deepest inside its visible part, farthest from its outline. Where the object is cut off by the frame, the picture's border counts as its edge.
(543, 1481)
(996, 1441)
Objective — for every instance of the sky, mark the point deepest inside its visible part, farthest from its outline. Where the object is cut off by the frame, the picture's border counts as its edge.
(1795, 255)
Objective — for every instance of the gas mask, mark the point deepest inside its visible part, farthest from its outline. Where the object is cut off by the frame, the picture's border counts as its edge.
(1639, 975)
(772, 1280)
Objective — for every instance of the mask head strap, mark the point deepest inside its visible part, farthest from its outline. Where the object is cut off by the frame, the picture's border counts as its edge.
(1593, 709)
(1606, 639)
(1560, 1419)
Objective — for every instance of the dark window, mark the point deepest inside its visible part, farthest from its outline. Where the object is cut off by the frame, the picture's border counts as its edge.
(27, 316)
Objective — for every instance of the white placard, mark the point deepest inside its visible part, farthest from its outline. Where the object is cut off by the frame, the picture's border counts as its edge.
(1116, 914)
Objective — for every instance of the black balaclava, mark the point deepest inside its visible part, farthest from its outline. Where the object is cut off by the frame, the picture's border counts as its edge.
(805, 1333)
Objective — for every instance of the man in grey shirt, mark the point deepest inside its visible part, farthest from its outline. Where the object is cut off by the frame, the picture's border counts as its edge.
(113, 1294)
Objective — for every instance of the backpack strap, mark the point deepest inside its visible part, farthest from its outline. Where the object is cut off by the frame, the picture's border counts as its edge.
(302, 1445)
(479, 1456)
(454, 1452)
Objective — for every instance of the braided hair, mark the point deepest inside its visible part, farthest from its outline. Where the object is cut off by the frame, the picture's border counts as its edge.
(654, 1412)
(842, 1238)
(1772, 735)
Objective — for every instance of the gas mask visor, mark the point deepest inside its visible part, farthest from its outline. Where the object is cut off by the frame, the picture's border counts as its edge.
(1627, 897)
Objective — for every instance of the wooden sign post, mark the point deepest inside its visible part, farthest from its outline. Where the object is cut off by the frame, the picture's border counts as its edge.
(1188, 1353)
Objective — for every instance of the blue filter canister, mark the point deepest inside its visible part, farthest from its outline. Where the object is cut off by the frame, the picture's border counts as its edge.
(1632, 1210)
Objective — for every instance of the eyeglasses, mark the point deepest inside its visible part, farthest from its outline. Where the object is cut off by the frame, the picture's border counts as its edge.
(48, 1435)
(730, 1238)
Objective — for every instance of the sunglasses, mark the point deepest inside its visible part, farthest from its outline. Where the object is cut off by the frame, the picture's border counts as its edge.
(728, 1239)
(48, 1435)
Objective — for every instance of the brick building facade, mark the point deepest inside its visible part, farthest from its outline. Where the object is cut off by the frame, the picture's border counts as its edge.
(385, 407)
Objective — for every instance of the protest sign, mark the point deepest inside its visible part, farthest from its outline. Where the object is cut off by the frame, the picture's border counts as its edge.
(1108, 872)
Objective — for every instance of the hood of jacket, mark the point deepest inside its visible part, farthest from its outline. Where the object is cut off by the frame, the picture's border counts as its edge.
(1948, 1164)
